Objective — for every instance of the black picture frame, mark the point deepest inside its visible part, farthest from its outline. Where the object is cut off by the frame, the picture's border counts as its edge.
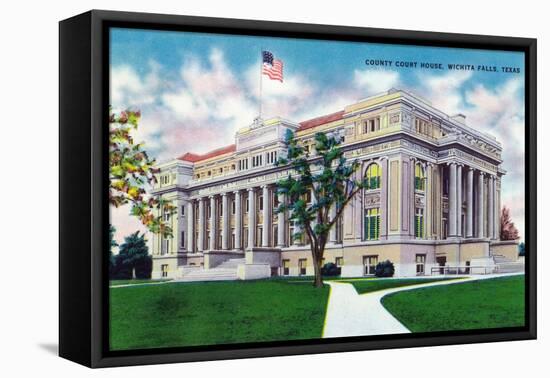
(83, 231)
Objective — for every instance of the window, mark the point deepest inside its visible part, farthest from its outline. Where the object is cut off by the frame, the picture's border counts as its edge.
(275, 200)
(308, 196)
(259, 236)
(164, 270)
(245, 237)
(372, 224)
(183, 210)
(232, 246)
(271, 157)
(233, 207)
(419, 177)
(370, 263)
(419, 222)
(166, 216)
(261, 202)
(182, 239)
(165, 246)
(275, 235)
(373, 176)
(243, 164)
(371, 125)
(420, 264)
(256, 161)
(302, 265)
(220, 209)
(286, 267)
(247, 205)
(339, 262)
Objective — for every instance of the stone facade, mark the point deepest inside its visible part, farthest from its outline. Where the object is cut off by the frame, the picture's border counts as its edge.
(434, 201)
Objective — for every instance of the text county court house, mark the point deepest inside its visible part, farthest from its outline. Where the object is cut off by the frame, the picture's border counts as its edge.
(434, 198)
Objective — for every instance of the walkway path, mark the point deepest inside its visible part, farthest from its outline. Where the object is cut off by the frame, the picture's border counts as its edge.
(351, 314)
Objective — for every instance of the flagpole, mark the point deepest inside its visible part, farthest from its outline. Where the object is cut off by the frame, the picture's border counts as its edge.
(261, 76)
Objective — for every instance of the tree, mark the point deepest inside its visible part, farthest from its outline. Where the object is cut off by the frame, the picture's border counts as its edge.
(133, 258)
(112, 243)
(131, 172)
(508, 230)
(330, 179)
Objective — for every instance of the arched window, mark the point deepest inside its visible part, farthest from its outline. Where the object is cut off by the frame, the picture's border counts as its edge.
(419, 177)
(373, 176)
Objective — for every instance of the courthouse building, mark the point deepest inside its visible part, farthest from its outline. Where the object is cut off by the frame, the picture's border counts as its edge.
(433, 200)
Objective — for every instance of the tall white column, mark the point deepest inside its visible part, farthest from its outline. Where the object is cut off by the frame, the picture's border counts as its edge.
(251, 217)
(490, 206)
(452, 200)
(459, 200)
(333, 235)
(496, 195)
(384, 199)
(200, 241)
(266, 214)
(225, 222)
(480, 217)
(190, 227)
(213, 233)
(281, 224)
(470, 204)
(428, 201)
(238, 220)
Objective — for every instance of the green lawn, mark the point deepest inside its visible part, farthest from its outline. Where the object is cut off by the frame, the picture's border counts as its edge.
(492, 303)
(205, 313)
(133, 282)
(376, 284)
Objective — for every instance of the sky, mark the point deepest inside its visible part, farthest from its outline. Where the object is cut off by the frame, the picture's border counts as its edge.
(195, 90)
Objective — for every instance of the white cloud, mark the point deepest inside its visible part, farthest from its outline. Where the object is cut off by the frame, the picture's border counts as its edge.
(374, 81)
(444, 91)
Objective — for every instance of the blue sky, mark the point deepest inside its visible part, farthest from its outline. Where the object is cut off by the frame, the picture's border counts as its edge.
(195, 89)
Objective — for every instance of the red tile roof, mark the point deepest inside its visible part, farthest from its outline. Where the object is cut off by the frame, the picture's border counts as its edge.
(193, 158)
(310, 123)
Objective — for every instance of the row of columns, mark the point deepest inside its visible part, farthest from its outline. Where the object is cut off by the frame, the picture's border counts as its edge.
(200, 242)
(455, 204)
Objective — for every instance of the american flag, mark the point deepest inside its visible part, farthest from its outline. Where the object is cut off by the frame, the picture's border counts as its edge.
(273, 68)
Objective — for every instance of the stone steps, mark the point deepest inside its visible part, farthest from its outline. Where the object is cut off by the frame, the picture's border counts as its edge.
(231, 264)
(510, 267)
(215, 274)
(505, 265)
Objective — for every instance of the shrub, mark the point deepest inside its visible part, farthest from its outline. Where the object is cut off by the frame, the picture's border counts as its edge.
(119, 270)
(144, 267)
(330, 270)
(132, 260)
(384, 269)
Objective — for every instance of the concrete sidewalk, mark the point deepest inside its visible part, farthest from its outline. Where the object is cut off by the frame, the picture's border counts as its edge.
(351, 314)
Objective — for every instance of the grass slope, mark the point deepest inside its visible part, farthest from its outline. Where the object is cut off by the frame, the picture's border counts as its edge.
(370, 285)
(185, 314)
(492, 303)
